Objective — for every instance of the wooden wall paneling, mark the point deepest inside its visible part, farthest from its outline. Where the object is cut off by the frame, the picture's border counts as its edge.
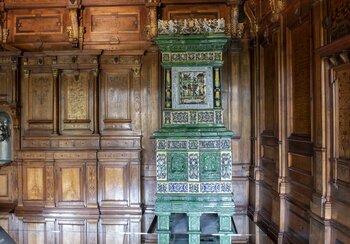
(183, 11)
(119, 177)
(76, 102)
(299, 68)
(71, 231)
(120, 100)
(8, 190)
(112, 2)
(77, 71)
(150, 117)
(31, 4)
(236, 100)
(35, 29)
(269, 214)
(34, 231)
(115, 27)
(8, 75)
(37, 93)
(34, 183)
(341, 153)
(117, 230)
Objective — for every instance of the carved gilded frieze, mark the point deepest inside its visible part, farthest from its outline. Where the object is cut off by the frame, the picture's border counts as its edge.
(191, 26)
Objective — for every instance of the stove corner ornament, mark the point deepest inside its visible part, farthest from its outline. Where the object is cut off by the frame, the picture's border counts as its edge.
(194, 160)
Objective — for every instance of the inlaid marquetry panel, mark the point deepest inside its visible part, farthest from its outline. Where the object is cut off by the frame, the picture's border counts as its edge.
(113, 25)
(300, 64)
(70, 184)
(35, 183)
(49, 24)
(116, 101)
(343, 77)
(40, 100)
(77, 101)
(37, 100)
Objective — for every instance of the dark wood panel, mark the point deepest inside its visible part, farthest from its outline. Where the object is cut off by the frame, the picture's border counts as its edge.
(343, 102)
(300, 37)
(269, 87)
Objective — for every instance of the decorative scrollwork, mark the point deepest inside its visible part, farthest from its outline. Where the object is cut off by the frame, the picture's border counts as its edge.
(4, 130)
(191, 26)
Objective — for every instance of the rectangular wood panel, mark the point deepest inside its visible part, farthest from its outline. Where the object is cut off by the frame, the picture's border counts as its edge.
(38, 25)
(71, 184)
(269, 77)
(4, 185)
(72, 234)
(118, 96)
(344, 113)
(114, 184)
(40, 97)
(77, 101)
(117, 101)
(34, 25)
(35, 183)
(300, 38)
(114, 233)
(113, 25)
(35, 233)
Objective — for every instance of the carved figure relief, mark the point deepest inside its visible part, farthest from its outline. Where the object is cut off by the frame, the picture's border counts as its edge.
(191, 26)
(192, 87)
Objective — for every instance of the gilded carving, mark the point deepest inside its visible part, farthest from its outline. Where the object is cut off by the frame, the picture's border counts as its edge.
(249, 10)
(152, 30)
(191, 26)
(77, 96)
(277, 7)
(136, 72)
(236, 27)
(73, 29)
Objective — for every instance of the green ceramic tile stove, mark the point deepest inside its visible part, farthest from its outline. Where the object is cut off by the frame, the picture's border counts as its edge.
(194, 162)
